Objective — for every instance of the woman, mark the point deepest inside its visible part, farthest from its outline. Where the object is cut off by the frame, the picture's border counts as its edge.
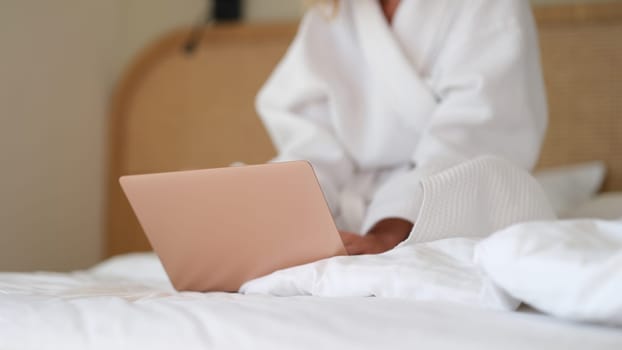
(384, 93)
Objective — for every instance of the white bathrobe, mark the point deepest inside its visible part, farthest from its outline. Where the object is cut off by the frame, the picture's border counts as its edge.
(377, 107)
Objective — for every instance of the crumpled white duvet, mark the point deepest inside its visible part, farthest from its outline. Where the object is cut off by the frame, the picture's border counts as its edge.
(471, 246)
(436, 271)
(570, 269)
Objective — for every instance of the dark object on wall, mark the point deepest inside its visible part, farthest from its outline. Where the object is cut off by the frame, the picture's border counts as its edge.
(227, 10)
(215, 11)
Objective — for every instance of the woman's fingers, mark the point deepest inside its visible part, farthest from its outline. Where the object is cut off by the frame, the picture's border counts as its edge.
(369, 244)
(355, 244)
(348, 237)
(350, 241)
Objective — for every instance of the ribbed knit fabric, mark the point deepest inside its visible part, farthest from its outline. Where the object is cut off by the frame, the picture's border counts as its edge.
(477, 198)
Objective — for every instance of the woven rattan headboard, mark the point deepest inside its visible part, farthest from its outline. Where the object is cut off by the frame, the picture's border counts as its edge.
(175, 110)
(582, 58)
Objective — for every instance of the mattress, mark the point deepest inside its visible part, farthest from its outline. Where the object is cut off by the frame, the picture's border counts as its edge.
(128, 303)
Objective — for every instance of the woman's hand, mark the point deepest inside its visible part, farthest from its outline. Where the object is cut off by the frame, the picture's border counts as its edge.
(384, 236)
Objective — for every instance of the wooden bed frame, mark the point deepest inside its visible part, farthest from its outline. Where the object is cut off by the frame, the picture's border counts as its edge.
(175, 110)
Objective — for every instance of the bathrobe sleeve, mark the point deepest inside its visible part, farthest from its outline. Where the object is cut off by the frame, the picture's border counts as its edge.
(293, 106)
(491, 101)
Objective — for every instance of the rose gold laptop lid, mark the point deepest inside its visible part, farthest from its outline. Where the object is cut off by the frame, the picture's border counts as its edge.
(215, 229)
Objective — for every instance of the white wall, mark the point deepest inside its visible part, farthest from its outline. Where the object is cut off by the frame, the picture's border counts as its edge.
(264, 10)
(58, 64)
(55, 75)
(147, 19)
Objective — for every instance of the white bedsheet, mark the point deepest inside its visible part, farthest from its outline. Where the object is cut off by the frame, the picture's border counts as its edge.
(127, 303)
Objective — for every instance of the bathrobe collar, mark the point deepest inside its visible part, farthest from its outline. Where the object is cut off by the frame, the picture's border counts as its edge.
(401, 82)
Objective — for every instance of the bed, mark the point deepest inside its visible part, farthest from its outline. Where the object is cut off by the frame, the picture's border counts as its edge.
(179, 109)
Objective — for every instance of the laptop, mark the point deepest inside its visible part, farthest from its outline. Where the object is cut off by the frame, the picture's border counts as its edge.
(216, 229)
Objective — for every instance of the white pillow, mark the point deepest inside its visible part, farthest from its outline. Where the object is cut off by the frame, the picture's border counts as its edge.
(605, 206)
(568, 187)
